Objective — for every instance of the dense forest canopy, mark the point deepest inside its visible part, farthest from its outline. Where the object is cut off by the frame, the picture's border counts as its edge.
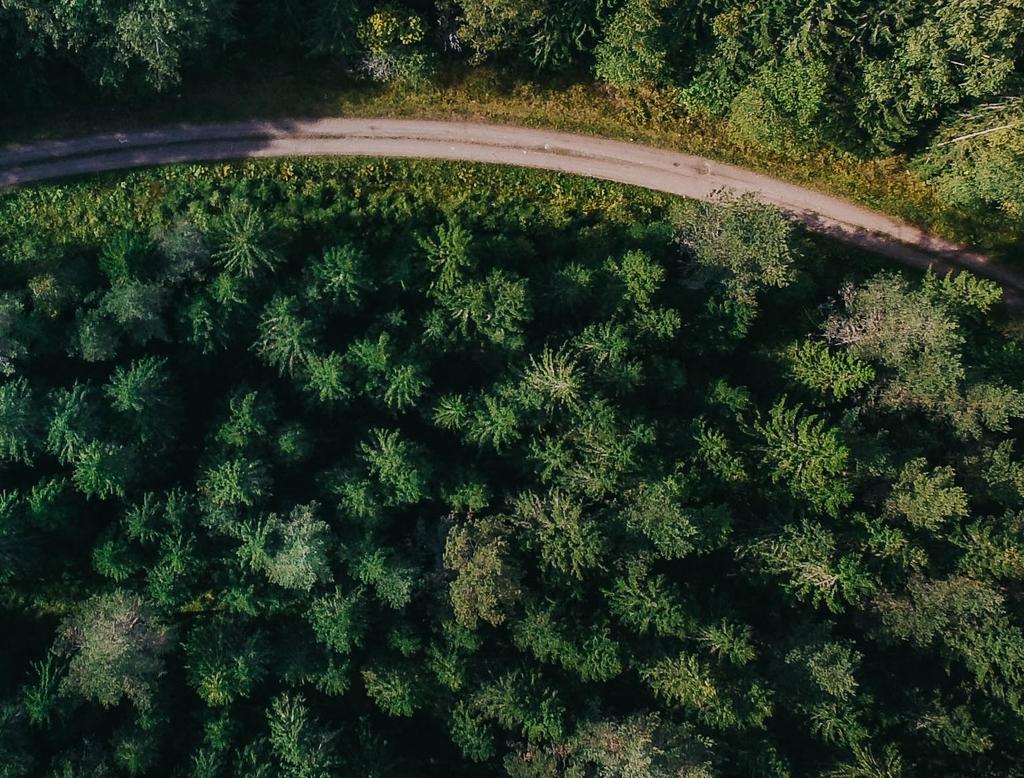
(367, 468)
(939, 78)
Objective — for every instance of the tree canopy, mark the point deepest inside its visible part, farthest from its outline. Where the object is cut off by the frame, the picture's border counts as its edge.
(375, 468)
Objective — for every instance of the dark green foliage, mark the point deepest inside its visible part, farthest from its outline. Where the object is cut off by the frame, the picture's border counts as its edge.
(224, 663)
(440, 476)
(19, 422)
(119, 44)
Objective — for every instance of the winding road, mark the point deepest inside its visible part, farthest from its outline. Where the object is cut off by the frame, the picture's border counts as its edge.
(627, 163)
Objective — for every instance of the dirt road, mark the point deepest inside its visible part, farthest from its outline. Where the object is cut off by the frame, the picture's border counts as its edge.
(628, 163)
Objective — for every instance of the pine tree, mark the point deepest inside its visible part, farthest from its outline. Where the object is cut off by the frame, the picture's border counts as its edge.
(244, 241)
(223, 662)
(142, 393)
(807, 456)
(20, 427)
(285, 341)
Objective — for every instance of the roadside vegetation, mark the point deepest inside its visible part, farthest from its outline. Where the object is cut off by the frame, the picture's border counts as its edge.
(369, 468)
(912, 107)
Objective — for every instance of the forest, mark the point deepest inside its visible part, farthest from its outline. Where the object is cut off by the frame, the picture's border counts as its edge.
(377, 468)
(316, 468)
(939, 81)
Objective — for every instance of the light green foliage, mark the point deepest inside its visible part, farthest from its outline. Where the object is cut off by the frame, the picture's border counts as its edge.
(451, 412)
(494, 422)
(486, 583)
(115, 646)
(40, 696)
(397, 466)
(818, 367)
(137, 307)
(806, 455)
(121, 255)
(782, 106)
(609, 351)
(977, 158)
(284, 337)
(963, 292)
(927, 499)
(831, 666)
(244, 242)
(300, 745)
(963, 48)
(499, 25)
(392, 692)
(740, 242)
(142, 393)
(594, 658)
(291, 552)
(103, 469)
(714, 452)
(392, 36)
(342, 273)
(989, 547)
(376, 365)
(729, 641)
(553, 381)
(642, 278)
(648, 603)
(325, 376)
(522, 702)
(237, 481)
(138, 387)
(917, 336)
(496, 308)
(293, 443)
(906, 331)
(550, 35)
(112, 560)
(569, 541)
(338, 620)
(657, 510)
(812, 567)
(683, 681)
(449, 255)
(47, 503)
(593, 455)
(392, 583)
(406, 384)
(471, 734)
(687, 682)
(633, 50)
(249, 416)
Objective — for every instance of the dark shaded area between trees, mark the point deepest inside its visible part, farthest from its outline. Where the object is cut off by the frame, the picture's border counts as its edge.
(372, 468)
